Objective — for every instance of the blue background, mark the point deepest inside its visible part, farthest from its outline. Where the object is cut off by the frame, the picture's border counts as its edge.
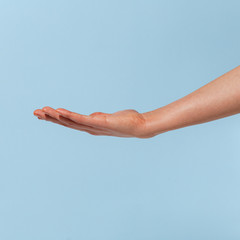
(61, 184)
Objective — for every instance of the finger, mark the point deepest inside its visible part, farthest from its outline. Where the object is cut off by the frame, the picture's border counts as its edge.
(39, 113)
(54, 120)
(51, 112)
(54, 114)
(51, 119)
(99, 122)
(42, 115)
(36, 112)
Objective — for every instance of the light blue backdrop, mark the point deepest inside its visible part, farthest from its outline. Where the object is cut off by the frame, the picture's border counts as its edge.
(60, 184)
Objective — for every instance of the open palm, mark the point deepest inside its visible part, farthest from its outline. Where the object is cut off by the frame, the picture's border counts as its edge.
(125, 123)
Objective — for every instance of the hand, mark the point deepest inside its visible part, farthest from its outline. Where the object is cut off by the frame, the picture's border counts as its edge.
(126, 123)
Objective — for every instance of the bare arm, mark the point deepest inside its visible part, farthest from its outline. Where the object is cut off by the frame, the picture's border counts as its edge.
(217, 99)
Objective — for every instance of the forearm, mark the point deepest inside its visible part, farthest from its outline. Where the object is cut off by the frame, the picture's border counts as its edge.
(217, 99)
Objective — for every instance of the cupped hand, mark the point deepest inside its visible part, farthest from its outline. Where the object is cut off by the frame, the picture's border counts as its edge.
(125, 123)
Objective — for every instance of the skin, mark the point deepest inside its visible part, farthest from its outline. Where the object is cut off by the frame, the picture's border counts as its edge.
(218, 99)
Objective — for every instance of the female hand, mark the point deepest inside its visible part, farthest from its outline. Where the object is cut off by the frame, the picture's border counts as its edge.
(125, 123)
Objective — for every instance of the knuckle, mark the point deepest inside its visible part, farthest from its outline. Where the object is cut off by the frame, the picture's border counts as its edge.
(95, 113)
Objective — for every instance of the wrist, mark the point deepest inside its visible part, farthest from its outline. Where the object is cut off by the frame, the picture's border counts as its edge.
(155, 123)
